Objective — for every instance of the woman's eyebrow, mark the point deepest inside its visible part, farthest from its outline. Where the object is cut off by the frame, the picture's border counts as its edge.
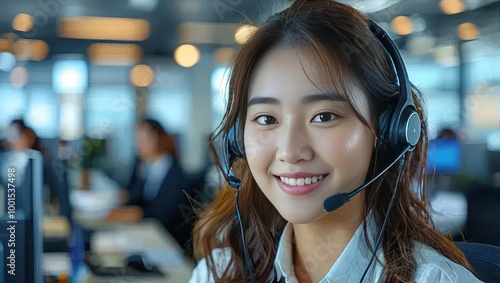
(263, 100)
(330, 96)
(309, 99)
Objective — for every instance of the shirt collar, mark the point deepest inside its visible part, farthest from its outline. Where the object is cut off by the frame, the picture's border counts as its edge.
(350, 265)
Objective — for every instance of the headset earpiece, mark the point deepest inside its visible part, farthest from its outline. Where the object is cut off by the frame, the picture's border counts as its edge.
(411, 128)
(234, 151)
(405, 124)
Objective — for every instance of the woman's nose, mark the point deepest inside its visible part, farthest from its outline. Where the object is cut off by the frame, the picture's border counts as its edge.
(294, 145)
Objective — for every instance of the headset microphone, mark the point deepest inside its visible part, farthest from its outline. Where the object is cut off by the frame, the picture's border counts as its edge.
(336, 201)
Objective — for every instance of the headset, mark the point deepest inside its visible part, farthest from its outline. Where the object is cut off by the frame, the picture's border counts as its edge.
(404, 126)
(403, 134)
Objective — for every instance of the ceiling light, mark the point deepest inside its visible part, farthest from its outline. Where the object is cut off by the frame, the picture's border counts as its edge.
(451, 7)
(114, 54)
(22, 22)
(29, 49)
(402, 25)
(186, 55)
(104, 28)
(5, 45)
(467, 31)
(142, 75)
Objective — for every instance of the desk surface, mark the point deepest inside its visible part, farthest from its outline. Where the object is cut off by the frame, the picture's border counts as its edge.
(115, 239)
(147, 236)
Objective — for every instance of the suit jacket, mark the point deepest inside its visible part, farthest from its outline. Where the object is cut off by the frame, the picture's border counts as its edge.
(171, 204)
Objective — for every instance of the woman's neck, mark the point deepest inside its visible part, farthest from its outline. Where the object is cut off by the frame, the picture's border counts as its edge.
(318, 245)
(153, 158)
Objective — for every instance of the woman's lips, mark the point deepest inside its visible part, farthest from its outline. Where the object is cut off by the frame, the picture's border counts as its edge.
(299, 186)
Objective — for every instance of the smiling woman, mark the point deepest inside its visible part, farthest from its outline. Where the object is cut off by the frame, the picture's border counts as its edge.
(322, 141)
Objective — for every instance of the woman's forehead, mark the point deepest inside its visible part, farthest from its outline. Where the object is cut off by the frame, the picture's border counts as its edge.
(295, 69)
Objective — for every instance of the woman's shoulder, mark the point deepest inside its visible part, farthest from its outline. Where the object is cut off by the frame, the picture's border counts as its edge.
(221, 258)
(435, 267)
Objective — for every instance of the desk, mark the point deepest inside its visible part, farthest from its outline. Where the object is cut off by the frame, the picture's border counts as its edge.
(113, 240)
(147, 236)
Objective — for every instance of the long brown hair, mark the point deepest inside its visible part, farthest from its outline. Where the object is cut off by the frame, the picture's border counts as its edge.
(338, 39)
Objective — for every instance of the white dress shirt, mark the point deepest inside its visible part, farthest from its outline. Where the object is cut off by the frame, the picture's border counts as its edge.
(351, 264)
(155, 173)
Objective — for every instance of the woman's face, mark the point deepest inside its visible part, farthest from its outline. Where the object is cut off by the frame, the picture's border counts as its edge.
(303, 144)
(17, 138)
(147, 142)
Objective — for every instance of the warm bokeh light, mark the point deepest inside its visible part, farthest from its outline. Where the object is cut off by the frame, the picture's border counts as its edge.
(402, 25)
(19, 76)
(243, 34)
(28, 49)
(22, 22)
(5, 45)
(142, 75)
(223, 55)
(467, 31)
(451, 7)
(104, 28)
(187, 55)
(114, 54)
(39, 50)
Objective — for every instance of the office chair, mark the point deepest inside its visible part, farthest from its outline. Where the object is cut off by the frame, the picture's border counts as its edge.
(484, 258)
(483, 214)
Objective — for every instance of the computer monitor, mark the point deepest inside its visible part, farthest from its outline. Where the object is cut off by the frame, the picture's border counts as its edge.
(444, 156)
(21, 215)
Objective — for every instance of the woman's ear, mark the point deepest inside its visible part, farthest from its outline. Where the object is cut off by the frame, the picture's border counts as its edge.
(375, 143)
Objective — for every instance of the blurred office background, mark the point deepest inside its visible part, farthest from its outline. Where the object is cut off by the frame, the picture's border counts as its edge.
(81, 73)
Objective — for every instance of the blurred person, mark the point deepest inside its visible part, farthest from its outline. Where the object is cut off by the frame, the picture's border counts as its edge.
(448, 134)
(159, 184)
(21, 137)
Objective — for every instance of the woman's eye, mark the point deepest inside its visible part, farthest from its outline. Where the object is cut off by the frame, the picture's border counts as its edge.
(323, 117)
(266, 120)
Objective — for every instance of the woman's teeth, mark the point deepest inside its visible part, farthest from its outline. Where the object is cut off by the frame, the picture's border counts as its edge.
(300, 181)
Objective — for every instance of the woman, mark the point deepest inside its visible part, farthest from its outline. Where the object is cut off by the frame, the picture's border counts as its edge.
(159, 185)
(311, 98)
(21, 137)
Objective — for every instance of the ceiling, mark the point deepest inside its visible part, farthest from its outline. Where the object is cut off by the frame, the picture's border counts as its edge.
(165, 16)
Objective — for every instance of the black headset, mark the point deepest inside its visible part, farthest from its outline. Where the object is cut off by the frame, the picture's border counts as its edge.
(404, 128)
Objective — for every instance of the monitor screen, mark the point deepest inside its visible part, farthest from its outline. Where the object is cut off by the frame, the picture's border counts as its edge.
(21, 215)
(444, 156)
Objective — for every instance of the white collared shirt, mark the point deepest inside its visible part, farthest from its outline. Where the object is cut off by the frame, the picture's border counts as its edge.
(155, 173)
(351, 264)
